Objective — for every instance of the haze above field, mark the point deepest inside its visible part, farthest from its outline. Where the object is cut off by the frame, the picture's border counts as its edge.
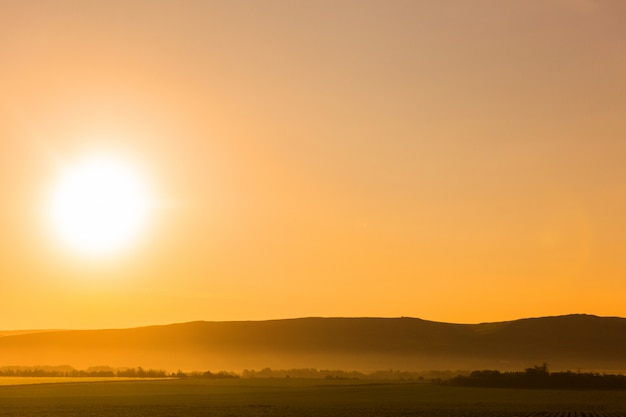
(566, 342)
(460, 161)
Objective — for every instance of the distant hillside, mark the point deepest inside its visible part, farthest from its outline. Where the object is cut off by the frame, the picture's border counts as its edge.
(18, 332)
(565, 342)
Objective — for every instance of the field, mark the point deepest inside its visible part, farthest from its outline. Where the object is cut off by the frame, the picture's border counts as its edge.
(293, 397)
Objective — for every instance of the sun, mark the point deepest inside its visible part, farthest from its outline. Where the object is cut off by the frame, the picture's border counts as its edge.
(99, 205)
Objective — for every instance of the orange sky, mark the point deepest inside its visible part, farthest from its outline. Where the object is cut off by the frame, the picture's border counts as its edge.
(450, 160)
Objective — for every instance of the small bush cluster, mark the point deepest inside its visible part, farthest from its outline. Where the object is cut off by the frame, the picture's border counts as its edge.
(540, 377)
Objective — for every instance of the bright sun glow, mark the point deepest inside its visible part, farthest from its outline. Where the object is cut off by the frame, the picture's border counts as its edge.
(99, 205)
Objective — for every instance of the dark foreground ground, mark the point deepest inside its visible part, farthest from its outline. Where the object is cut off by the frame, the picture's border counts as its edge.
(302, 398)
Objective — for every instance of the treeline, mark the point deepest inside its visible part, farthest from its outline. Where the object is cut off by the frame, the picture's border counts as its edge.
(309, 373)
(106, 371)
(205, 375)
(540, 377)
(312, 373)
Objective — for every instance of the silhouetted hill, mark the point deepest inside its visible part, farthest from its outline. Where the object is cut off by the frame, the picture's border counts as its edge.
(18, 332)
(565, 342)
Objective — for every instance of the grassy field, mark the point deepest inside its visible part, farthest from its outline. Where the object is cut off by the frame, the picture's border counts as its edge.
(291, 397)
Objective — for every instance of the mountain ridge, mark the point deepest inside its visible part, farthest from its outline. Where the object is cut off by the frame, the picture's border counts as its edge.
(574, 341)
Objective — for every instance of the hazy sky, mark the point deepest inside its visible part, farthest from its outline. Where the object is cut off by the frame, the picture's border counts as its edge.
(459, 161)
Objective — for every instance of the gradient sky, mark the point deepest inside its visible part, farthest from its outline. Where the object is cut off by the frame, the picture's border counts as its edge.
(459, 161)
